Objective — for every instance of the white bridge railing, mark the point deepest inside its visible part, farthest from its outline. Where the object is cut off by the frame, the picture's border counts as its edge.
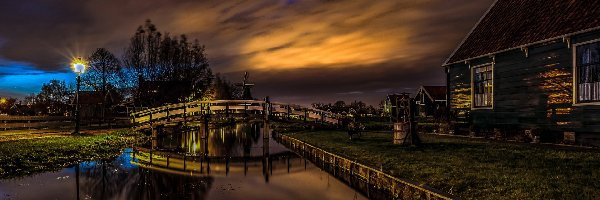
(231, 108)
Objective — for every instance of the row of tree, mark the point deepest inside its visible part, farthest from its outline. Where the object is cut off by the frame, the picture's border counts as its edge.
(153, 59)
(53, 99)
(155, 69)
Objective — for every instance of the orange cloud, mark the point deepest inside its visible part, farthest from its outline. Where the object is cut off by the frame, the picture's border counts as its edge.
(334, 50)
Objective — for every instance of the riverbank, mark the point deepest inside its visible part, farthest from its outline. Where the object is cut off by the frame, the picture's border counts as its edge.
(474, 169)
(32, 154)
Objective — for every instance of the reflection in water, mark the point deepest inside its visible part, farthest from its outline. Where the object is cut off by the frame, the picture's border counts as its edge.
(120, 179)
(265, 170)
(242, 139)
(238, 140)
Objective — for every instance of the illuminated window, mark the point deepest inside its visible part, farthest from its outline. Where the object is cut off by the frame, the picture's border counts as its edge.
(587, 66)
(482, 86)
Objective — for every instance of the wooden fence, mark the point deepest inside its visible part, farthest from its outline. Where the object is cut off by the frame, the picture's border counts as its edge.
(25, 122)
(376, 184)
(173, 112)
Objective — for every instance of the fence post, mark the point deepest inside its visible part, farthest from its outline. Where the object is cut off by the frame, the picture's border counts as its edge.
(305, 115)
(168, 118)
(368, 183)
(226, 109)
(154, 136)
(184, 113)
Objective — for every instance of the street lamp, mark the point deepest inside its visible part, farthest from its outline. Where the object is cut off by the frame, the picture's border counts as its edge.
(78, 66)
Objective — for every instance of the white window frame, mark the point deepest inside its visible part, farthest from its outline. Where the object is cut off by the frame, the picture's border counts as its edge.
(472, 69)
(575, 74)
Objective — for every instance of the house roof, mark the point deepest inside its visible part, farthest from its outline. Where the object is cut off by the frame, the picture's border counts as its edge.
(510, 24)
(90, 97)
(435, 92)
(397, 96)
(394, 98)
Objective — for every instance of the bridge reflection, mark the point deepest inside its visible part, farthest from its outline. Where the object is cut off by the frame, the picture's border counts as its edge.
(239, 148)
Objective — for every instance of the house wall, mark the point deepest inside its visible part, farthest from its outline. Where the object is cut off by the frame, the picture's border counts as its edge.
(428, 108)
(533, 91)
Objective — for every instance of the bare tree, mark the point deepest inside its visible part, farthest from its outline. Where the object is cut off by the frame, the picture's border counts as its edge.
(104, 69)
(54, 96)
(153, 57)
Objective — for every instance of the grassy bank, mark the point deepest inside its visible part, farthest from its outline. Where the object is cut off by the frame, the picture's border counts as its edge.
(474, 169)
(28, 156)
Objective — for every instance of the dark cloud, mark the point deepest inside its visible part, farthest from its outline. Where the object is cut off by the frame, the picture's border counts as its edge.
(368, 83)
(302, 50)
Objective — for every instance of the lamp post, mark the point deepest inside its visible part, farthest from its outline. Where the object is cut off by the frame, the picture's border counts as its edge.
(78, 67)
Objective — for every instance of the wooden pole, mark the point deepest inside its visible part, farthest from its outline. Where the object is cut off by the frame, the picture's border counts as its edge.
(305, 114)
(227, 110)
(154, 137)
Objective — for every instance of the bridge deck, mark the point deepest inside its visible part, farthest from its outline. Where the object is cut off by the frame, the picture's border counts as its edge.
(227, 108)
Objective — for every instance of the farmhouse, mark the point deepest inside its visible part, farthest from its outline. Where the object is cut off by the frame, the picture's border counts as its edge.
(530, 66)
(96, 106)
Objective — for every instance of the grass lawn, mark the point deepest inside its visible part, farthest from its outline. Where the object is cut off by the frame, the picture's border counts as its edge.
(28, 156)
(30, 134)
(474, 169)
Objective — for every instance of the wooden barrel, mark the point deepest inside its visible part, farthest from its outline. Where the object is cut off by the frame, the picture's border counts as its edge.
(400, 132)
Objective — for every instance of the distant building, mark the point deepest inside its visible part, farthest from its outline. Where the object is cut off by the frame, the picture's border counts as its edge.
(21, 109)
(431, 101)
(158, 93)
(93, 105)
(530, 65)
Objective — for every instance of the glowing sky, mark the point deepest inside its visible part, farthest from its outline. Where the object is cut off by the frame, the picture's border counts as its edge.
(295, 50)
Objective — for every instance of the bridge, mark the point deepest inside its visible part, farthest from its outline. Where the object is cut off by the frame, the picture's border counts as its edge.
(226, 109)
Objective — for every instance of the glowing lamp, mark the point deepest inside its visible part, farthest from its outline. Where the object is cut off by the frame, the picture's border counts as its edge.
(78, 66)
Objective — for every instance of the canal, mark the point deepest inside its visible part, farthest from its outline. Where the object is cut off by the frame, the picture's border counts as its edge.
(228, 162)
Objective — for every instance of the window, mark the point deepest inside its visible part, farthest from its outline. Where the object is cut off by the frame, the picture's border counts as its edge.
(482, 86)
(587, 66)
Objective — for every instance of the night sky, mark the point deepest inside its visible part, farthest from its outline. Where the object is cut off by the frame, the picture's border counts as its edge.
(296, 51)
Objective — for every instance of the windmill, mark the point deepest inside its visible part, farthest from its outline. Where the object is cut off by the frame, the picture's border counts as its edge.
(246, 86)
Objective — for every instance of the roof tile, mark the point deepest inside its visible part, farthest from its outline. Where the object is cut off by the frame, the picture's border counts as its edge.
(513, 23)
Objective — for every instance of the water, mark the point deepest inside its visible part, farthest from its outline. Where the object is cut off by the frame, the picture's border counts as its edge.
(241, 165)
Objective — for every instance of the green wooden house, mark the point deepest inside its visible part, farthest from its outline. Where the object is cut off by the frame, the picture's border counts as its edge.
(530, 67)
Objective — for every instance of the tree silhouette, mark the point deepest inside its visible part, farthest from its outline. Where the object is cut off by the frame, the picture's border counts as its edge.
(222, 89)
(104, 69)
(54, 96)
(154, 57)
